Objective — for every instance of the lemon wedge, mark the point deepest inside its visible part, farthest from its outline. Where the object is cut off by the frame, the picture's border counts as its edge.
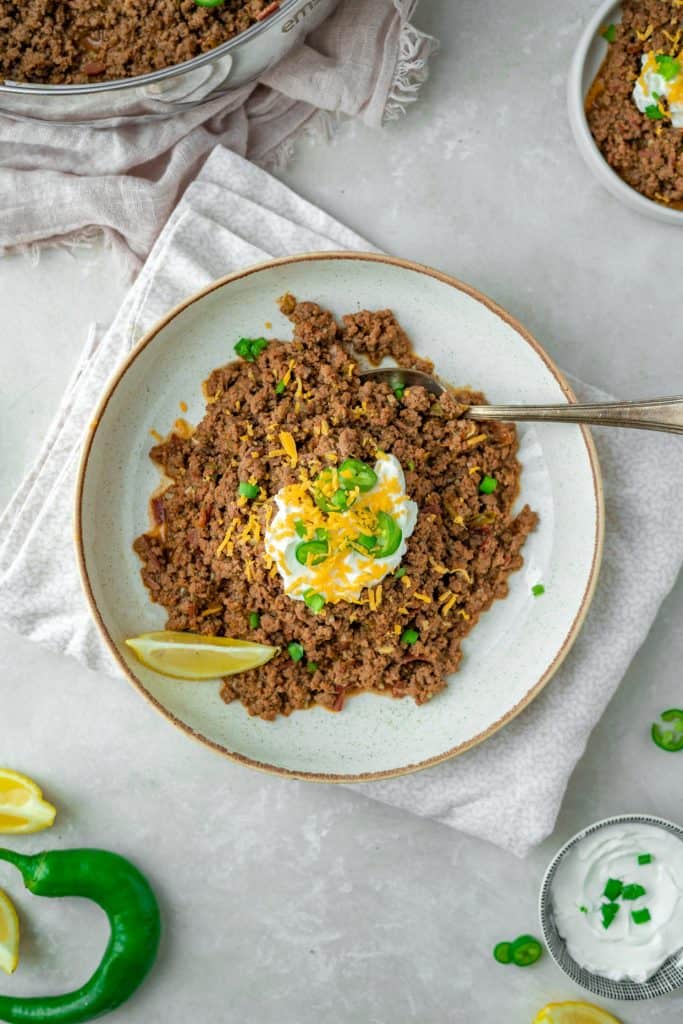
(22, 808)
(573, 1013)
(191, 656)
(9, 935)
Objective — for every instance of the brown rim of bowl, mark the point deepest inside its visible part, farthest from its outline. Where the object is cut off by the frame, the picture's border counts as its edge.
(573, 630)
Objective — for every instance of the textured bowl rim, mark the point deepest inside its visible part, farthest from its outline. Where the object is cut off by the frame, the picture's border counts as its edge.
(582, 133)
(549, 875)
(598, 494)
(118, 84)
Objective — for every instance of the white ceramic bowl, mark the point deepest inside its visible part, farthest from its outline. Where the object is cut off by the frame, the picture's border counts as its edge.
(517, 645)
(585, 65)
(667, 979)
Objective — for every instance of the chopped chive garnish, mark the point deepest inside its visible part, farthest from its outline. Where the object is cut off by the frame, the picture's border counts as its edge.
(584, 910)
(613, 889)
(632, 892)
(644, 858)
(400, 572)
(295, 650)
(248, 490)
(609, 33)
(488, 485)
(538, 589)
(316, 602)
(250, 348)
(300, 528)
(668, 67)
(398, 391)
(254, 620)
(640, 916)
(654, 113)
(280, 387)
(411, 465)
(312, 666)
(609, 911)
(410, 636)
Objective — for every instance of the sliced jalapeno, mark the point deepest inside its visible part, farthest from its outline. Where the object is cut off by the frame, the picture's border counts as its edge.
(525, 950)
(669, 739)
(389, 535)
(354, 473)
(502, 952)
(316, 548)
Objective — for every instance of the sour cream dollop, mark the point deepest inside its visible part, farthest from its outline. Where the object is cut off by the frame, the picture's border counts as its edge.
(652, 84)
(346, 571)
(625, 949)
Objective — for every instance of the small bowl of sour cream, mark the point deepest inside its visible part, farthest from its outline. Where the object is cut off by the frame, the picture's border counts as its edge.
(611, 907)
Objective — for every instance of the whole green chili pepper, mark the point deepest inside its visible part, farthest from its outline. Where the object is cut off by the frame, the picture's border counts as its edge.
(130, 904)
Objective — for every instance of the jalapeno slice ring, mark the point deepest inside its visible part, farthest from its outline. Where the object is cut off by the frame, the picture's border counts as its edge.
(525, 950)
(318, 549)
(354, 473)
(671, 739)
(389, 535)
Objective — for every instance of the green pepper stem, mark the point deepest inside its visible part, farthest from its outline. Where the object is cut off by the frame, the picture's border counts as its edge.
(20, 861)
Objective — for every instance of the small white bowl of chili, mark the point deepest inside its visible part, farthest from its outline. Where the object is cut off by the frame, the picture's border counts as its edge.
(585, 67)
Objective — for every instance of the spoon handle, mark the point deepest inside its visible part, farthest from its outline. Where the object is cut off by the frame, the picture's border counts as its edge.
(654, 414)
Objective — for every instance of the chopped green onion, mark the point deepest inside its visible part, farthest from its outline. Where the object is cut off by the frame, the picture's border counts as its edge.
(668, 67)
(317, 550)
(640, 916)
(398, 391)
(250, 348)
(209, 3)
(632, 892)
(584, 910)
(538, 589)
(320, 534)
(400, 572)
(488, 485)
(669, 739)
(609, 912)
(339, 500)
(502, 952)
(295, 650)
(410, 636)
(316, 602)
(644, 858)
(248, 490)
(254, 620)
(411, 465)
(280, 387)
(312, 666)
(613, 889)
(300, 528)
(654, 113)
(609, 33)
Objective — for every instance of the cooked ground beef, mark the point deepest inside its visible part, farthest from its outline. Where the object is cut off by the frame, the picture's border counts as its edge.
(647, 154)
(464, 547)
(69, 41)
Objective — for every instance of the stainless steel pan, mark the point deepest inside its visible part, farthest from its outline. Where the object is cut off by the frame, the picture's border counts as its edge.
(163, 93)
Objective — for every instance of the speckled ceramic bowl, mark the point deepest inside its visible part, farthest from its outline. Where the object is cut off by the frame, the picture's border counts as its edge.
(519, 642)
(667, 979)
(585, 65)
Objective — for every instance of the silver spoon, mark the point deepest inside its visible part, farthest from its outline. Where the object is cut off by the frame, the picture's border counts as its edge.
(652, 414)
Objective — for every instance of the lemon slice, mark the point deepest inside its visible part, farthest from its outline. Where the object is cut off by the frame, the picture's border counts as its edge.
(191, 656)
(573, 1013)
(9, 935)
(22, 808)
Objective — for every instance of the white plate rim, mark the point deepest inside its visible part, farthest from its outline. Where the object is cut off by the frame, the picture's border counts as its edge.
(327, 777)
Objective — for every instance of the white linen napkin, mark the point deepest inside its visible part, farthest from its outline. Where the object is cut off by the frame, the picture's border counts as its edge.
(509, 789)
(366, 60)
